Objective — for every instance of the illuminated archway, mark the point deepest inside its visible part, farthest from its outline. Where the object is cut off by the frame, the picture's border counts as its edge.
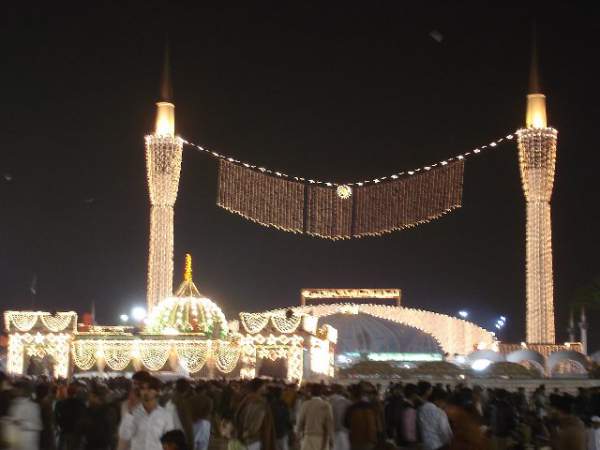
(454, 336)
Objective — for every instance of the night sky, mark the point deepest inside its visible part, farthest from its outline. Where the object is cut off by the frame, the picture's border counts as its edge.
(342, 93)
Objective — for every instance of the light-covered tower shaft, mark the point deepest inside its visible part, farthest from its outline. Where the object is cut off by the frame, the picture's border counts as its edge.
(537, 156)
(163, 166)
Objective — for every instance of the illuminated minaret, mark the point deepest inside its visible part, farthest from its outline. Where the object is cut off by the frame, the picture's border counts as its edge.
(163, 166)
(537, 155)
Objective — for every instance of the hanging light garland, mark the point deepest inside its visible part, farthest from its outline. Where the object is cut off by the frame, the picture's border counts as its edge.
(84, 354)
(154, 354)
(254, 322)
(344, 192)
(117, 354)
(192, 355)
(341, 210)
(227, 356)
(21, 320)
(25, 320)
(285, 325)
(59, 321)
(317, 210)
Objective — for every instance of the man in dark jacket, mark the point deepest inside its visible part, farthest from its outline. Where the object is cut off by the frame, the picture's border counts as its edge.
(100, 422)
(361, 421)
(69, 414)
(281, 417)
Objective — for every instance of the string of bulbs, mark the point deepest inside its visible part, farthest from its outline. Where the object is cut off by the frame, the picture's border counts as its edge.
(477, 150)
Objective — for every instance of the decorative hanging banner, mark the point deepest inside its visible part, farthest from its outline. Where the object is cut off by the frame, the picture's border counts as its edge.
(341, 211)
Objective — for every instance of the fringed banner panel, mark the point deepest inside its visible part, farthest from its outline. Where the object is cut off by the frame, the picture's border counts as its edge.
(265, 199)
(321, 211)
(406, 202)
(328, 215)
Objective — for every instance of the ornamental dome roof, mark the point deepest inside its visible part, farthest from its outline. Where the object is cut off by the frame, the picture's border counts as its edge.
(363, 333)
(188, 312)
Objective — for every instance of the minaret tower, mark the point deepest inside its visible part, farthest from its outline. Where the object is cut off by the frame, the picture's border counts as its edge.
(163, 166)
(537, 155)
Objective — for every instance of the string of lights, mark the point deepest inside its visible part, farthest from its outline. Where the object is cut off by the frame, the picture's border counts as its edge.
(342, 187)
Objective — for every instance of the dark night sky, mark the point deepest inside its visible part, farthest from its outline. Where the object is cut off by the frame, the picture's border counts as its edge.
(341, 93)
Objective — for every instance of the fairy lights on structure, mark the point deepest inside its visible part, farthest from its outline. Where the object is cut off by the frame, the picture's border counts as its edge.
(26, 320)
(320, 210)
(255, 322)
(188, 312)
(163, 167)
(348, 294)
(453, 335)
(41, 335)
(537, 157)
(342, 210)
(394, 176)
(193, 355)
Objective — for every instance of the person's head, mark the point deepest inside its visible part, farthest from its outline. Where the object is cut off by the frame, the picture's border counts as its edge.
(315, 389)
(501, 394)
(150, 389)
(464, 398)
(439, 396)
(226, 426)
(97, 395)
(182, 386)
(424, 389)
(255, 385)
(369, 392)
(73, 390)
(41, 391)
(562, 405)
(137, 379)
(397, 390)
(337, 389)
(355, 392)
(201, 387)
(274, 391)
(410, 391)
(173, 440)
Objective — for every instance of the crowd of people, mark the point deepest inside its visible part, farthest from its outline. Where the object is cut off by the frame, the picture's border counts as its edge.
(142, 412)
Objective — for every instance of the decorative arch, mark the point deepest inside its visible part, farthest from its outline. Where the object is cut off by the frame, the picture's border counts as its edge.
(532, 357)
(556, 358)
(452, 334)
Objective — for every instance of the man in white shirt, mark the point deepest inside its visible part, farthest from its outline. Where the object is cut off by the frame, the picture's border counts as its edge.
(339, 405)
(201, 434)
(433, 421)
(24, 415)
(144, 424)
(593, 441)
(315, 422)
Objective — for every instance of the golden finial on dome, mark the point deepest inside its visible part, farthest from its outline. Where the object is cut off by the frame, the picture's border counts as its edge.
(187, 276)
